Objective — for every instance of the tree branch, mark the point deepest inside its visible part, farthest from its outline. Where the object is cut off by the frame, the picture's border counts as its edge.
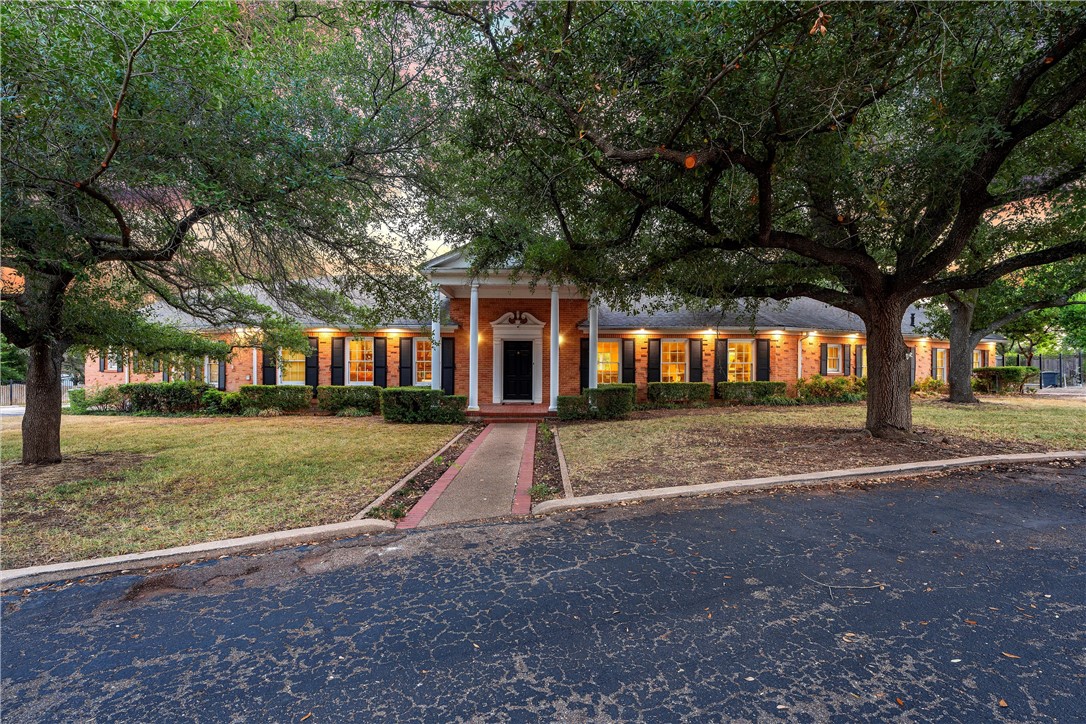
(985, 277)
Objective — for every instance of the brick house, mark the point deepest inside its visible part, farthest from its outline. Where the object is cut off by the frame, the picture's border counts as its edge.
(497, 337)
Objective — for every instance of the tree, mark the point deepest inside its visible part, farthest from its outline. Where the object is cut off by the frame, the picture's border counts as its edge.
(1073, 323)
(768, 150)
(967, 317)
(203, 154)
(12, 362)
(1031, 331)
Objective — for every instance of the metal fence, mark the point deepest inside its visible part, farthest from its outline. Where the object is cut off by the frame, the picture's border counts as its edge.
(1059, 370)
(14, 393)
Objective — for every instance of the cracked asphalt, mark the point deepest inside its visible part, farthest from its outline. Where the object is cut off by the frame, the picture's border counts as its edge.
(935, 598)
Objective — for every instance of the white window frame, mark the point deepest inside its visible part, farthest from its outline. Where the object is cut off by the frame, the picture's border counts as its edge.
(686, 342)
(941, 368)
(840, 359)
(113, 362)
(618, 372)
(279, 372)
(415, 362)
(978, 358)
(208, 378)
(347, 362)
(753, 358)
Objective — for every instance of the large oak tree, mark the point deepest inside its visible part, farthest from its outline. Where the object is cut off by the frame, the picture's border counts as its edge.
(212, 155)
(847, 152)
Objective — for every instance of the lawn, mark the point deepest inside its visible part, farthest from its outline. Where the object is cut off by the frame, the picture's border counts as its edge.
(665, 448)
(131, 484)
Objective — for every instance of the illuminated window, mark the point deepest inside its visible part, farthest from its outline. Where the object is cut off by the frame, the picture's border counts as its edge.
(293, 368)
(212, 367)
(978, 358)
(360, 361)
(863, 353)
(608, 361)
(940, 364)
(833, 359)
(673, 360)
(740, 361)
(424, 361)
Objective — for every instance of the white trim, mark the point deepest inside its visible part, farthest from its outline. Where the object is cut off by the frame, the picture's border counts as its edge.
(347, 362)
(840, 359)
(473, 350)
(555, 343)
(254, 378)
(279, 372)
(516, 326)
(663, 341)
(946, 362)
(594, 344)
(435, 347)
(415, 363)
(617, 340)
(753, 358)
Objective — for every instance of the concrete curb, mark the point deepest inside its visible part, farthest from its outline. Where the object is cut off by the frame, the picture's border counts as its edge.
(522, 498)
(34, 575)
(403, 481)
(881, 471)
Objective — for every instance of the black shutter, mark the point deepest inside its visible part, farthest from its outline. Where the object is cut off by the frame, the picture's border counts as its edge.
(859, 360)
(166, 374)
(695, 360)
(629, 357)
(823, 364)
(406, 359)
(584, 363)
(448, 365)
(846, 361)
(720, 362)
(268, 373)
(338, 360)
(933, 365)
(222, 374)
(313, 365)
(761, 360)
(654, 360)
(380, 361)
(102, 360)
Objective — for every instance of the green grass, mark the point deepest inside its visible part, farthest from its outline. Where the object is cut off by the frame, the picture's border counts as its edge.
(159, 482)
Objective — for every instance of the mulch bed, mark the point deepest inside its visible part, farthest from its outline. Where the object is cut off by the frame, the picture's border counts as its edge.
(702, 456)
(74, 468)
(400, 502)
(546, 470)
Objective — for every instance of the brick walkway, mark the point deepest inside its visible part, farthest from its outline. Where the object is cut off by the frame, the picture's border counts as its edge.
(490, 479)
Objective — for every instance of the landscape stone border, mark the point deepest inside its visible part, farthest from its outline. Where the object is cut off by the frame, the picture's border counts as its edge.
(802, 479)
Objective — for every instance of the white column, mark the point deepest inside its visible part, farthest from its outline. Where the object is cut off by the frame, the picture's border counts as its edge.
(473, 351)
(255, 379)
(799, 357)
(554, 349)
(127, 362)
(593, 343)
(435, 349)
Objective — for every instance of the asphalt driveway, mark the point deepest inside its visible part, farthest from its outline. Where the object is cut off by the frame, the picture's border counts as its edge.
(961, 598)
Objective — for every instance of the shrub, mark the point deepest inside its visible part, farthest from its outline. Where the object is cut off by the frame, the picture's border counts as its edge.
(352, 412)
(212, 400)
(422, 405)
(102, 399)
(250, 412)
(230, 403)
(334, 398)
(780, 401)
(819, 389)
(273, 396)
(749, 393)
(572, 407)
(164, 397)
(77, 401)
(930, 386)
(679, 392)
(271, 412)
(1003, 379)
(610, 402)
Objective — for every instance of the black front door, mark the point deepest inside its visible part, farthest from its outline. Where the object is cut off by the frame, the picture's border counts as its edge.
(517, 370)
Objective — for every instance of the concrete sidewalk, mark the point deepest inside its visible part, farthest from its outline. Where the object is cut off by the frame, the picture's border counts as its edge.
(486, 485)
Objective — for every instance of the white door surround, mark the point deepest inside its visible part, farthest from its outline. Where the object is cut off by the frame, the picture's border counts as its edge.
(524, 326)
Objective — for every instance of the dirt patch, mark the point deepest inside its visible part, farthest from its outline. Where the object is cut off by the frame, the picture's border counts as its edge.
(73, 469)
(400, 502)
(546, 474)
(707, 456)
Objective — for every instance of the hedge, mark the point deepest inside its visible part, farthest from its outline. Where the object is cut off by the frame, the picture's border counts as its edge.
(995, 379)
(165, 397)
(818, 389)
(274, 397)
(572, 407)
(422, 405)
(334, 398)
(679, 392)
(749, 393)
(77, 401)
(226, 403)
(610, 402)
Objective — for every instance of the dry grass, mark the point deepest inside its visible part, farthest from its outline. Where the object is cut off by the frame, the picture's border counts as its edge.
(741, 442)
(134, 484)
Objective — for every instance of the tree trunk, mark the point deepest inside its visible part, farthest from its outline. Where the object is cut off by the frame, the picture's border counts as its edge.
(889, 409)
(41, 421)
(962, 343)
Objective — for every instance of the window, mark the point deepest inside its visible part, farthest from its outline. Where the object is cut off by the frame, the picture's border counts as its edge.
(940, 364)
(833, 359)
(609, 361)
(113, 361)
(978, 358)
(740, 361)
(673, 360)
(212, 366)
(863, 353)
(293, 368)
(424, 361)
(360, 361)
